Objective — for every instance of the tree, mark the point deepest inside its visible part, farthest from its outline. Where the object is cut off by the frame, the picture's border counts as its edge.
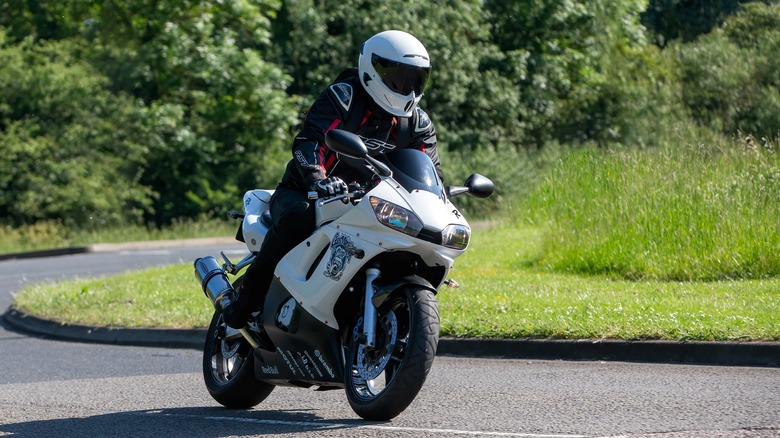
(219, 113)
(71, 150)
(730, 76)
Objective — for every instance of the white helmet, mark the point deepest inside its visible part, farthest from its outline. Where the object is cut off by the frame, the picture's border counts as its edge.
(394, 68)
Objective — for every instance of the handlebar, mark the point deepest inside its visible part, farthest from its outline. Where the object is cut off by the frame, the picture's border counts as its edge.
(354, 191)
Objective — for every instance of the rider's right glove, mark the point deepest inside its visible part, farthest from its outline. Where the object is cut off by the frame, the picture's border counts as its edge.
(330, 186)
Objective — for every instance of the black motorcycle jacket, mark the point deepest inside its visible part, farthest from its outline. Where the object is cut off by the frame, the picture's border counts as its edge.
(346, 105)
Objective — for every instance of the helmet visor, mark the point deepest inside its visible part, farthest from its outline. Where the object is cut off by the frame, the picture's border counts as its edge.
(399, 77)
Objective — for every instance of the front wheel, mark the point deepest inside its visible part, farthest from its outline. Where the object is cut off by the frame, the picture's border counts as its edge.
(228, 369)
(382, 381)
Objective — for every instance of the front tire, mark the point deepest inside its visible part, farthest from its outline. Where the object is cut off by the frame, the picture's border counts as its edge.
(381, 382)
(228, 369)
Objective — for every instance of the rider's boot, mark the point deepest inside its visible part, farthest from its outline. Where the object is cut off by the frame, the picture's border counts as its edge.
(237, 309)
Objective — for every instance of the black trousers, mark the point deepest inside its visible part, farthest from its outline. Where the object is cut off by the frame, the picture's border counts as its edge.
(293, 222)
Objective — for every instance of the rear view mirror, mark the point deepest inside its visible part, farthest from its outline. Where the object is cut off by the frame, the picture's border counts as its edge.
(479, 186)
(476, 185)
(346, 143)
(352, 146)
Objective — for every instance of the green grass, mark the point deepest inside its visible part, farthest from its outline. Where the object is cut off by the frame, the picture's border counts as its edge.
(683, 212)
(502, 295)
(52, 235)
(155, 297)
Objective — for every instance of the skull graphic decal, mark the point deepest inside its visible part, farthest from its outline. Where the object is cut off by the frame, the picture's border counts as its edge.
(339, 257)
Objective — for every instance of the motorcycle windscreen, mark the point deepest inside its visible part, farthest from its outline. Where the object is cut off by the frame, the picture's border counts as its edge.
(414, 170)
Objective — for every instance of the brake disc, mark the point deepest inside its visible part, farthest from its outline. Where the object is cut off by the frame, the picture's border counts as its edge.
(371, 362)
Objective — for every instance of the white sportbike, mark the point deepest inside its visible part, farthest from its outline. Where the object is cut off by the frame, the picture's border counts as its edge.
(354, 305)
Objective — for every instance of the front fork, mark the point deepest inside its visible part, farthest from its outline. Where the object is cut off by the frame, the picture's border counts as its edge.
(369, 310)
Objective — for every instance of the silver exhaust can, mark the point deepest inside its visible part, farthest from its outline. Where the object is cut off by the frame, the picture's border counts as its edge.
(213, 280)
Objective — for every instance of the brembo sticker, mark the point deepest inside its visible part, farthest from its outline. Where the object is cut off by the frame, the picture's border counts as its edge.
(324, 363)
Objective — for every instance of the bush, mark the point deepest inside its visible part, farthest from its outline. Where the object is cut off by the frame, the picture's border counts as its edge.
(730, 77)
(71, 150)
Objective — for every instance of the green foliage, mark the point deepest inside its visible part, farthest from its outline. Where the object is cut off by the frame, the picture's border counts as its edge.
(685, 19)
(219, 111)
(730, 76)
(216, 114)
(70, 149)
(582, 71)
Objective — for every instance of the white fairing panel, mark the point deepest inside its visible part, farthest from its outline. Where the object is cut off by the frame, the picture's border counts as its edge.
(256, 202)
(318, 287)
(319, 269)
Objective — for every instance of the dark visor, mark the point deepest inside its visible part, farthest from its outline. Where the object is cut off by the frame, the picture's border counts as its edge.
(401, 78)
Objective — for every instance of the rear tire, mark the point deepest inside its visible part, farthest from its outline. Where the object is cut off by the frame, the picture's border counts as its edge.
(228, 369)
(382, 382)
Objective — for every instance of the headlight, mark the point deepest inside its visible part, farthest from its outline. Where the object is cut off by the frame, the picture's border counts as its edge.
(396, 217)
(456, 236)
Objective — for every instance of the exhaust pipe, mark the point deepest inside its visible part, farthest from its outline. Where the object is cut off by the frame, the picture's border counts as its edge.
(218, 289)
(214, 282)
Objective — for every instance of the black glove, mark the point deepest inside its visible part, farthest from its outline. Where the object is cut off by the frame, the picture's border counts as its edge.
(330, 186)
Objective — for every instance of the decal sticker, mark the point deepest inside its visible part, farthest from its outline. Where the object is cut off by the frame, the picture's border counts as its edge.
(312, 363)
(423, 121)
(343, 93)
(287, 361)
(293, 361)
(339, 257)
(270, 369)
(375, 145)
(324, 363)
(305, 362)
(301, 159)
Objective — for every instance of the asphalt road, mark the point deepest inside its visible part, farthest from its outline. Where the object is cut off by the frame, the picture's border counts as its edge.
(65, 389)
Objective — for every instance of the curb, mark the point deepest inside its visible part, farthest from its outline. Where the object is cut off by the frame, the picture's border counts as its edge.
(758, 354)
(114, 247)
(45, 253)
(144, 337)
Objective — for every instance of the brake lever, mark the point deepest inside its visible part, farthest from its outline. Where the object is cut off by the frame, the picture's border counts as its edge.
(345, 198)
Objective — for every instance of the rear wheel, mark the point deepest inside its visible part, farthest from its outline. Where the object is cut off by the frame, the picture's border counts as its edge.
(382, 381)
(228, 369)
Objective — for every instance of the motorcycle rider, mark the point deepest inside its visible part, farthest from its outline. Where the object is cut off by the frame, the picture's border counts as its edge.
(378, 101)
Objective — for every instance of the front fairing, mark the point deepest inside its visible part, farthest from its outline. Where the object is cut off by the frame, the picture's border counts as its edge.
(434, 212)
(318, 270)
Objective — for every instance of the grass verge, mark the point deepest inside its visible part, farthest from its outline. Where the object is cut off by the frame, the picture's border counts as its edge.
(52, 235)
(697, 211)
(503, 295)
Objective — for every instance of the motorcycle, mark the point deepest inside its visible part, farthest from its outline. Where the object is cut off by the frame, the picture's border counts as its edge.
(353, 306)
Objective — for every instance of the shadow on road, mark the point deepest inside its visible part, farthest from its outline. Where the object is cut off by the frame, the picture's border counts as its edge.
(184, 422)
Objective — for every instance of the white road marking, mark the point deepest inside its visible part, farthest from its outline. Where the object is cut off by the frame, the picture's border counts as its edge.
(326, 426)
(145, 252)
